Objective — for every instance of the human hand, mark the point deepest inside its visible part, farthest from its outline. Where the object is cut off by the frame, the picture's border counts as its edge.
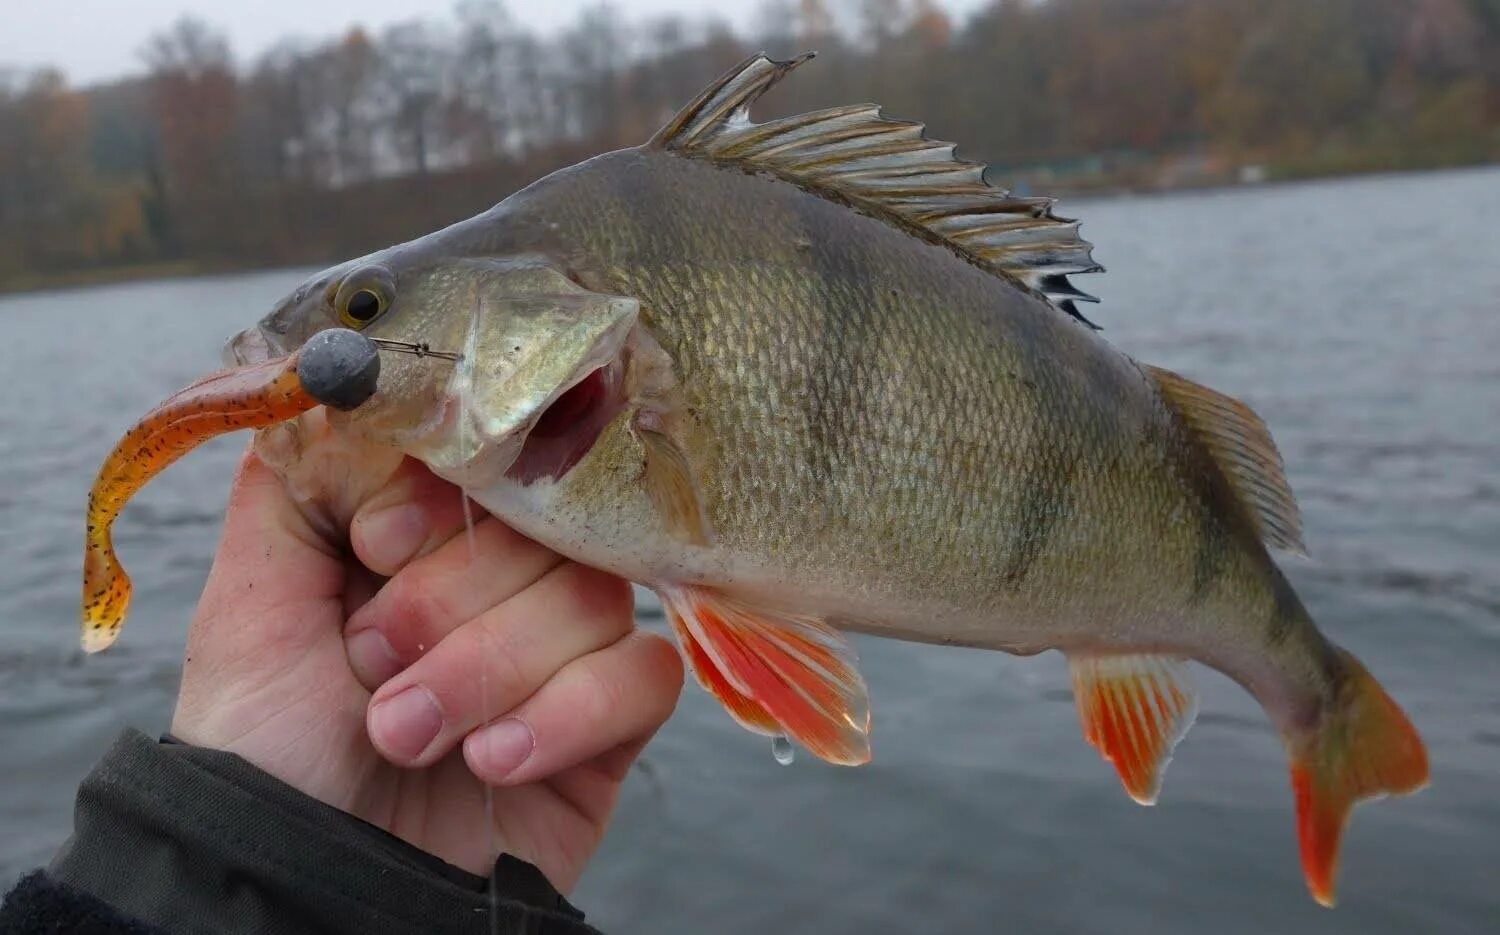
(397, 700)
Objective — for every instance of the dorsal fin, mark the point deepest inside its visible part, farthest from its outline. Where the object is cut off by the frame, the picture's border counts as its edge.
(888, 168)
(1242, 447)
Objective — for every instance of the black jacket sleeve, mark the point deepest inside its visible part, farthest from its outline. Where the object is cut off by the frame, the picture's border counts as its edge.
(181, 839)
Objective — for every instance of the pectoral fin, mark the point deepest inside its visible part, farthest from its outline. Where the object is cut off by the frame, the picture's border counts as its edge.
(669, 482)
(1134, 711)
(775, 672)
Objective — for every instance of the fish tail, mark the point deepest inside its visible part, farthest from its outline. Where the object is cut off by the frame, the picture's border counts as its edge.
(1362, 746)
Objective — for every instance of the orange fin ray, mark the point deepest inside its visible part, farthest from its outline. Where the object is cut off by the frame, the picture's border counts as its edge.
(745, 710)
(1134, 709)
(775, 672)
(1363, 747)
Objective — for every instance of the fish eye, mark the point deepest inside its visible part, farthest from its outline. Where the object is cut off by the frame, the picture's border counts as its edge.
(363, 297)
(363, 306)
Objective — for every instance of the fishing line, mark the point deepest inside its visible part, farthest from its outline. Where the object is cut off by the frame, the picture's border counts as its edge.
(465, 385)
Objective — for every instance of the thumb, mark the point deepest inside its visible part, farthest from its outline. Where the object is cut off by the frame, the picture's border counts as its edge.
(272, 571)
(265, 675)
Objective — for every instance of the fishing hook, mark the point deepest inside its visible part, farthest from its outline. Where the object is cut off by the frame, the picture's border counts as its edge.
(417, 349)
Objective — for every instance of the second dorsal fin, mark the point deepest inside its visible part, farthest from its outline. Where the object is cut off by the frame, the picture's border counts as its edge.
(890, 168)
(1241, 445)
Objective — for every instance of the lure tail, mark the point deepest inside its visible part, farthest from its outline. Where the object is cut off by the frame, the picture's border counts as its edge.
(245, 397)
(1362, 747)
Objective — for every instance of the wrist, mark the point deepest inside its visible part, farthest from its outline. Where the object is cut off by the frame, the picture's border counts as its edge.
(211, 842)
(319, 754)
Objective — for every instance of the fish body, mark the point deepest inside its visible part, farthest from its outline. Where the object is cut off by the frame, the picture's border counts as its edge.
(881, 432)
(817, 375)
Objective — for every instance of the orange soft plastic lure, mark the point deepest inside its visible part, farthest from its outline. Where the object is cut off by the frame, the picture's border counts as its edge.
(242, 397)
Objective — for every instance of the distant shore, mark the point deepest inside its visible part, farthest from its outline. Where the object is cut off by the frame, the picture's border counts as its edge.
(1026, 183)
(111, 275)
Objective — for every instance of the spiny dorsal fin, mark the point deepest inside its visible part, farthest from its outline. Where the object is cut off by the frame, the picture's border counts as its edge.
(1242, 447)
(890, 168)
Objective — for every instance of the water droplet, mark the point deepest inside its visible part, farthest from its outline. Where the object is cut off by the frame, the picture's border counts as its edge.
(781, 749)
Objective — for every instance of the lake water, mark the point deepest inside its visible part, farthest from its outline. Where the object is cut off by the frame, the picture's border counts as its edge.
(1360, 317)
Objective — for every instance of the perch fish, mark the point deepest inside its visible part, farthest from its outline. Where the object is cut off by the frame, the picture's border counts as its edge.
(816, 374)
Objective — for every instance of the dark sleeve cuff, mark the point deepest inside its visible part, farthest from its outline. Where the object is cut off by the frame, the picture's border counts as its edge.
(194, 840)
(39, 905)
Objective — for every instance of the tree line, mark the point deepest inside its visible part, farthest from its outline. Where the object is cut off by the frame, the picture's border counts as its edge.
(317, 151)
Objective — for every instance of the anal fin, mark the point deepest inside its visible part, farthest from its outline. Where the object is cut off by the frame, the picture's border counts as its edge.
(1134, 709)
(775, 671)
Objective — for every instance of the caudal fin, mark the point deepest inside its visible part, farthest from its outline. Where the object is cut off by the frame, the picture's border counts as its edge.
(1363, 747)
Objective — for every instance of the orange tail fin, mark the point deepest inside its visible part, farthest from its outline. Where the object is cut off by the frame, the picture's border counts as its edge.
(1363, 747)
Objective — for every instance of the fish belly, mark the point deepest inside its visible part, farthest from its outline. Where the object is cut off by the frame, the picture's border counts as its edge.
(622, 536)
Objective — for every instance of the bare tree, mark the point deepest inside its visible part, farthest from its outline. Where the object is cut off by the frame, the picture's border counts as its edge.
(413, 69)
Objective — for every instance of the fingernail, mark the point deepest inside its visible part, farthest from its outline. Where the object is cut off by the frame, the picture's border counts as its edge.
(371, 657)
(404, 725)
(393, 535)
(499, 749)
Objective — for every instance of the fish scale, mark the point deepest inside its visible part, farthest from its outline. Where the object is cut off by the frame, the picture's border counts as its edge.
(960, 475)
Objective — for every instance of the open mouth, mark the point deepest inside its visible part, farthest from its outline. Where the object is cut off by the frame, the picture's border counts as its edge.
(568, 428)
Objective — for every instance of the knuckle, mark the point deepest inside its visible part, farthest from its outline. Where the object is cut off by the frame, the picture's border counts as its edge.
(503, 661)
(600, 597)
(601, 693)
(411, 604)
(401, 487)
(662, 673)
(500, 539)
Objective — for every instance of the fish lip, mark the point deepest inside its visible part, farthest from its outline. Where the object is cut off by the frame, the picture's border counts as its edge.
(251, 346)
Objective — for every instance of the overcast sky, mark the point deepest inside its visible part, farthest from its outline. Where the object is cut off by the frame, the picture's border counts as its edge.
(93, 40)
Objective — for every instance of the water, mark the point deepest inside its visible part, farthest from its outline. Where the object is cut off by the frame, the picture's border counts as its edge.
(782, 750)
(1361, 318)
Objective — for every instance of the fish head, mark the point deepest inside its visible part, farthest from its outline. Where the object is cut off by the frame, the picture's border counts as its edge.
(482, 358)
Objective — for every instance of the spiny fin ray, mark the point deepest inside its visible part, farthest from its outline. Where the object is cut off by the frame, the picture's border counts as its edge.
(890, 169)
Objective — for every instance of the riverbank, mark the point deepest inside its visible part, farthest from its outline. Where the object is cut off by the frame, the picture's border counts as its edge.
(1122, 180)
(111, 275)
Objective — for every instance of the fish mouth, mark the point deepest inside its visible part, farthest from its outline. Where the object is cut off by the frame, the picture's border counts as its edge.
(251, 346)
(568, 426)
